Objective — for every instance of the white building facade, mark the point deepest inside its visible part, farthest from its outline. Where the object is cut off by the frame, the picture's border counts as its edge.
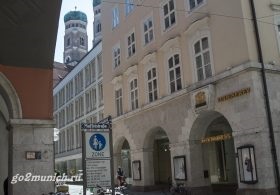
(78, 98)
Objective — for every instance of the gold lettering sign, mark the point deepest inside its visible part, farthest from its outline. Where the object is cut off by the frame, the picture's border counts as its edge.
(238, 93)
(216, 138)
(200, 99)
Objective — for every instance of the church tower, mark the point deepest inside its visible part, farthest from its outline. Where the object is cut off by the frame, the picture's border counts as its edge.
(75, 38)
(97, 21)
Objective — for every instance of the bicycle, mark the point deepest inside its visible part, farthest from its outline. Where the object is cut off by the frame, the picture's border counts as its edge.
(178, 190)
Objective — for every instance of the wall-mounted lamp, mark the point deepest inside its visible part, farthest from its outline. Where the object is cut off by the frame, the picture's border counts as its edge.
(247, 164)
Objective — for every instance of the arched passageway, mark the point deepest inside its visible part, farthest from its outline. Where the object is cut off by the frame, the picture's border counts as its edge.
(212, 153)
(158, 141)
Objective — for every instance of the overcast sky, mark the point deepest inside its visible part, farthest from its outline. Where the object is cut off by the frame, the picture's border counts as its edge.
(69, 5)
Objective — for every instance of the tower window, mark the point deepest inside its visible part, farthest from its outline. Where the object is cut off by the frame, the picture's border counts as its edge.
(68, 42)
(82, 41)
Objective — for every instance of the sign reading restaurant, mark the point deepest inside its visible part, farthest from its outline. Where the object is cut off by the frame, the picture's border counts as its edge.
(235, 94)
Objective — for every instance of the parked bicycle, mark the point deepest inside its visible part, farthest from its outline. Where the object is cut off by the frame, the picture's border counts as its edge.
(179, 189)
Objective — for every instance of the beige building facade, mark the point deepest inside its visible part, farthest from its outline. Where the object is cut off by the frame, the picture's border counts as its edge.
(183, 83)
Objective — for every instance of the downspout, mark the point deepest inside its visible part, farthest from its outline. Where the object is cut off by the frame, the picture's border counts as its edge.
(266, 97)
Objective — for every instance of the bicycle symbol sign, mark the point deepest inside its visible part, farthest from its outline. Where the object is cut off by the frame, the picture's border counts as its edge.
(97, 142)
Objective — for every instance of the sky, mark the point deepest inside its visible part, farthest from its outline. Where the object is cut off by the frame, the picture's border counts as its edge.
(69, 5)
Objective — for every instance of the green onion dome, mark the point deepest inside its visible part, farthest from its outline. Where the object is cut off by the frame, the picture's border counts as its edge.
(75, 15)
(96, 2)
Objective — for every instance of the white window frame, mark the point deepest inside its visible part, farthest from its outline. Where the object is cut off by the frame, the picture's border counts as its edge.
(151, 80)
(116, 58)
(130, 46)
(115, 17)
(150, 17)
(119, 102)
(134, 104)
(197, 4)
(129, 6)
(277, 23)
(199, 34)
(163, 17)
(175, 66)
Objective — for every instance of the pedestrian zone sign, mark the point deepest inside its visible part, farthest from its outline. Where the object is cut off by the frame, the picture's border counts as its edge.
(97, 144)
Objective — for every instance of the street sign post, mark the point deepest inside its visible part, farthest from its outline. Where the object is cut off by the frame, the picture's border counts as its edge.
(98, 155)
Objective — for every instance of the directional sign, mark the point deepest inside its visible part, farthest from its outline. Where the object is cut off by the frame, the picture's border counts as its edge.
(97, 144)
(94, 126)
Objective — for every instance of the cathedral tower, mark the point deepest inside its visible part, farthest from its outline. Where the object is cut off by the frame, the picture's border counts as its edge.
(97, 21)
(75, 38)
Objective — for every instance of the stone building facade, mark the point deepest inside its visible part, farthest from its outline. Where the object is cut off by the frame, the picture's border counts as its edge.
(26, 120)
(183, 82)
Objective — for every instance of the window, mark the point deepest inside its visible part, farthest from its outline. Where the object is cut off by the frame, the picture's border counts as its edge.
(61, 97)
(79, 84)
(79, 107)
(148, 30)
(93, 71)
(116, 56)
(100, 94)
(152, 85)
(174, 73)
(134, 94)
(169, 14)
(129, 6)
(78, 135)
(116, 19)
(131, 44)
(68, 41)
(99, 62)
(69, 91)
(82, 41)
(70, 113)
(98, 27)
(194, 3)
(118, 99)
(202, 59)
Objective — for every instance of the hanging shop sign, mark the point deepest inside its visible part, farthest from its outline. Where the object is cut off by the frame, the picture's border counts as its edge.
(235, 94)
(216, 138)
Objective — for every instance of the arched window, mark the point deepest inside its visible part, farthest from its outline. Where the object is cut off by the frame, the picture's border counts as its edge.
(82, 41)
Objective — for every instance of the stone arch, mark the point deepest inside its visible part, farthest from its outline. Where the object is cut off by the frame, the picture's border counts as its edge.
(156, 141)
(122, 156)
(11, 98)
(201, 155)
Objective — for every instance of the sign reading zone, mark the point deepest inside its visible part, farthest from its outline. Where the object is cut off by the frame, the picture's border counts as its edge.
(97, 144)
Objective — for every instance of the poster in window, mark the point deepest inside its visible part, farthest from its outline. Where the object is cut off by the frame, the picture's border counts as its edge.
(180, 168)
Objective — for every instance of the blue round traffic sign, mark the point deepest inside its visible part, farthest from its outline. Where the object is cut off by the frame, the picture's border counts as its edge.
(97, 142)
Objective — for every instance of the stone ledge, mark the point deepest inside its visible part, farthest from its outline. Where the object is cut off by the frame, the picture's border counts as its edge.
(272, 191)
(37, 122)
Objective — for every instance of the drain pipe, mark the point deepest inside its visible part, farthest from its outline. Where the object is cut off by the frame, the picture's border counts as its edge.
(266, 97)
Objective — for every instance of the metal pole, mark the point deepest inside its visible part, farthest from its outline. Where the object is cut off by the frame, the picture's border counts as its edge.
(266, 97)
(112, 155)
(84, 162)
